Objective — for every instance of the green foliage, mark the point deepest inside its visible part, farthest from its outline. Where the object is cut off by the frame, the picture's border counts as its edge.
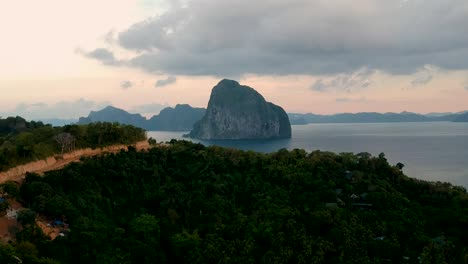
(9, 189)
(187, 203)
(152, 141)
(23, 252)
(22, 141)
(26, 217)
(7, 254)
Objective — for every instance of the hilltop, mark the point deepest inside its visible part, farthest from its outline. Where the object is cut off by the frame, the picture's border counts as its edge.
(187, 203)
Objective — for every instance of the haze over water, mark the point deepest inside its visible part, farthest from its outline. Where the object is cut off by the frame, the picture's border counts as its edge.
(435, 151)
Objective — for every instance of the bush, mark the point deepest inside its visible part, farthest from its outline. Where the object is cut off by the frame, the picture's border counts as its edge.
(3, 206)
(26, 217)
(9, 189)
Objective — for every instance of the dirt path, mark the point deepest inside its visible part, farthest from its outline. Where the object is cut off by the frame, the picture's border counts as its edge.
(51, 163)
(8, 225)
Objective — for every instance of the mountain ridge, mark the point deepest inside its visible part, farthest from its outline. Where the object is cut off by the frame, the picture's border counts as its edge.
(369, 117)
(178, 118)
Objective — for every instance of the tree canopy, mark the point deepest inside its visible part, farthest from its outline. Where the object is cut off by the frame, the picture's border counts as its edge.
(22, 141)
(187, 203)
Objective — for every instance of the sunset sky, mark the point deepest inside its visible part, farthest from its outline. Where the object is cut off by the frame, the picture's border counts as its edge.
(63, 58)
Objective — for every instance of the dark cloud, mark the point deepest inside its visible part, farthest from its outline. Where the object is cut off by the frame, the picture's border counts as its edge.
(319, 86)
(224, 37)
(126, 84)
(423, 80)
(345, 82)
(165, 82)
(104, 55)
(424, 76)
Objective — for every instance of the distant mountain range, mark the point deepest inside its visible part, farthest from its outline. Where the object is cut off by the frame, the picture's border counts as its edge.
(373, 117)
(114, 114)
(180, 118)
(461, 118)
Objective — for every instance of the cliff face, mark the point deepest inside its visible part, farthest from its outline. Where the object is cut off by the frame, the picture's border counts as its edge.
(240, 112)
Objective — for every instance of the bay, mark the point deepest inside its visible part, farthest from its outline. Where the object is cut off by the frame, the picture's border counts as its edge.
(435, 151)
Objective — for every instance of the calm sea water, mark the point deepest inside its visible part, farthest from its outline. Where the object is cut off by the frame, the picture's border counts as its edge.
(436, 151)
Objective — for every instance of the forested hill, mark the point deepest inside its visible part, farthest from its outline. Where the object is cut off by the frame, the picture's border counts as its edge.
(22, 141)
(14, 125)
(187, 203)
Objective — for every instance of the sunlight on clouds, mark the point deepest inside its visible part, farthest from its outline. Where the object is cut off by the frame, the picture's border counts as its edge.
(367, 50)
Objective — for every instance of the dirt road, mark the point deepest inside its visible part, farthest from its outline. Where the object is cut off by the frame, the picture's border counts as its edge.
(7, 224)
(51, 163)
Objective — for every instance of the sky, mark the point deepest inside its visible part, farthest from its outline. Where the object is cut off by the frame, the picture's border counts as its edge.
(63, 58)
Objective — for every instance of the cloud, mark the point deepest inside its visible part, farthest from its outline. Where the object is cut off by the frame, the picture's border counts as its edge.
(109, 37)
(169, 80)
(319, 86)
(424, 76)
(126, 84)
(103, 55)
(345, 82)
(62, 109)
(351, 100)
(313, 37)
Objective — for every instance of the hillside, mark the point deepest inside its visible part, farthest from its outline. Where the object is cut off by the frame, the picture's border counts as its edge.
(188, 203)
(22, 142)
(15, 125)
(18, 173)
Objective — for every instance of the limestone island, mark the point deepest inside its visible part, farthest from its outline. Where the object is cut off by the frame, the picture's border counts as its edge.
(239, 112)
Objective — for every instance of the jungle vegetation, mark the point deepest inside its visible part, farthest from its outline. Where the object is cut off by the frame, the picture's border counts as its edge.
(22, 141)
(188, 203)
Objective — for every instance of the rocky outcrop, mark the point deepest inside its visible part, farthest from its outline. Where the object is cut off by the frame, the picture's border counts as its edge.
(239, 112)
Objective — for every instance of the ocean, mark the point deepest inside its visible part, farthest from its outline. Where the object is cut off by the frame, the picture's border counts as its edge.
(435, 151)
